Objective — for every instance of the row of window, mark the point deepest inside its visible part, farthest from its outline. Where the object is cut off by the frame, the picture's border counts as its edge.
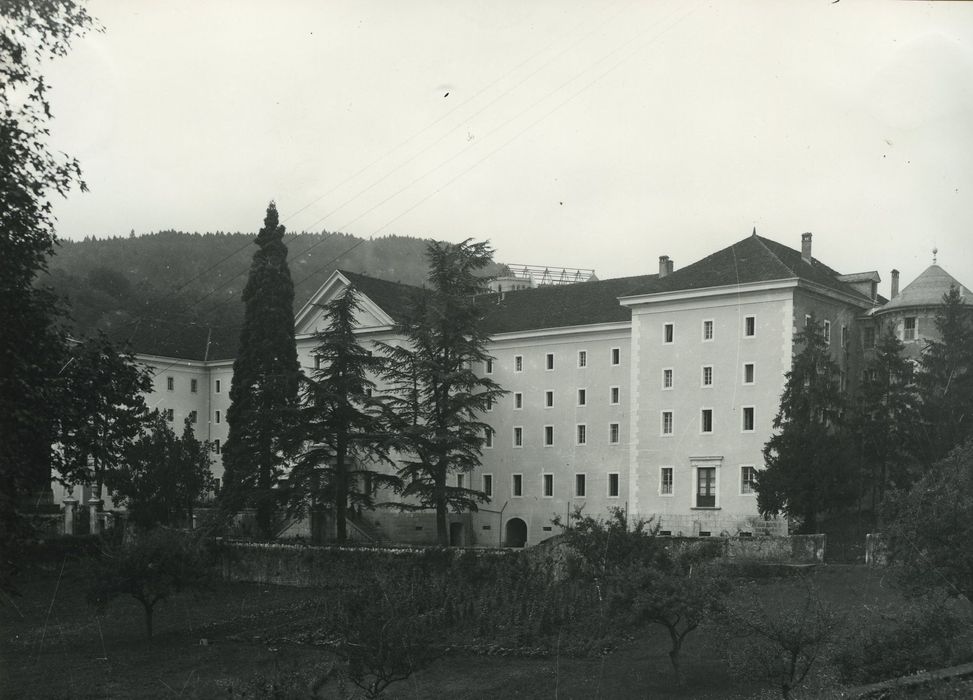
(706, 378)
(826, 331)
(668, 420)
(708, 331)
(193, 385)
(581, 435)
(614, 394)
(614, 354)
(547, 485)
(169, 415)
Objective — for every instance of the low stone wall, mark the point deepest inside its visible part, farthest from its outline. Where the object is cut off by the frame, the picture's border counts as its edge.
(792, 549)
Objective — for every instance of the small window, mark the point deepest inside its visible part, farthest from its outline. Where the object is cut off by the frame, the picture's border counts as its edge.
(580, 485)
(707, 330)
(748, 419)
(216, 447)
(192, 416)
(548, 435)
(582, 358)
(519, 363)
(489, 403)
(665, 481)
(868, 337)
(518, 437)
(582, 397)
(613, 485)
(616, 356)
(667, 422)
(668, 333)
(488, 437)
(844, 336)
(317, 362)
(706, 420)
(218, 417)
(708, 375)
(517, 485)
(748, 480)
(613, 433)
(667, 378)
(827, 332)
(219, 384)
(750, 326)
(582, 434)
(193, 385)
(518, 400)
(170, 383)
(488, 485)
(548, 399)
(550, 360)
(807, 320)
(908, 329)
(548, 485)
(170, 416)
(613, 395)
(460, 480)
(748, 373)
(488, 367)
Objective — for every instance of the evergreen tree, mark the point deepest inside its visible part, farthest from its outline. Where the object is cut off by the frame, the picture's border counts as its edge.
(883, 418)
(263, 393)
(438, 394)
(344, 429)
(807, 469)
(946, 381)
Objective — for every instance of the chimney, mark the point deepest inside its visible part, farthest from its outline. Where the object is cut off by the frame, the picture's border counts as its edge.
(670, 265)
(665, 267)
(895, 284)
(806, 247)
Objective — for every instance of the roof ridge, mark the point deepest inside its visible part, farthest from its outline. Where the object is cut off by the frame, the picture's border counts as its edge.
(763, 242)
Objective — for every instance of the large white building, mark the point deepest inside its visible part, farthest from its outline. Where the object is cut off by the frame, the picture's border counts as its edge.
(654, 394)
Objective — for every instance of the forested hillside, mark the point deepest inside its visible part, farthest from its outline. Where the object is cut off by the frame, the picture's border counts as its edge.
(178, 293)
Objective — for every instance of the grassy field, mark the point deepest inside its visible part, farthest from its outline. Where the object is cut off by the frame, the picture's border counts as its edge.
(247, 641)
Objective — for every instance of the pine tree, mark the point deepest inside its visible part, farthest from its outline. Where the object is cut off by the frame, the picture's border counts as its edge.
(263, 393)
(808, 471)
(344, 430)
(438, 394)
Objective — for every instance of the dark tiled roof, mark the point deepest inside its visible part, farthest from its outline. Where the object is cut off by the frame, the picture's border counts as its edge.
(559, 306)
(392, 297)
(754, 259)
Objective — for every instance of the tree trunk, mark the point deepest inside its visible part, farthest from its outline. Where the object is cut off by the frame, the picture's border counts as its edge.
(442, 524)
(674, 654)
(340, 495)
(148, 620)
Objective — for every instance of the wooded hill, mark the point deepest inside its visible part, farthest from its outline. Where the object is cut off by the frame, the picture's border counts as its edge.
(179, 294)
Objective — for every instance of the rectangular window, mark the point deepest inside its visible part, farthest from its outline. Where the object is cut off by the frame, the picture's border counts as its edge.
(665, 481)
(667, 379)
(613, 395)
(580, 485)
(668, 333)
(748, 373)
(548, 399)
(827, 332)
(488, 367)
(706, 487)
(667, 422)
(750, 326)
(616, 356)
(613, 485)
(708, 375)
(748, 419)
(193, 385)
(218, 385)
(517, 485)
(489, 403)
(707, 330)
(216, 447)
(518, 437)
(192, 416)
(317, 362)
(550, 360)
(582, 397)
(582, 358)
(170, 383)
(807, 320)
(844, 336)
(169, 414)
(908, 329)
(548, 485)
(582, 434)
(748, 480)
(868, 337)
(488, 484)
(706, 420)
(488, 437)
(548, 435)
(613, 433)
(518, 400)
(460, 480)
(519, 363)
(218, 416)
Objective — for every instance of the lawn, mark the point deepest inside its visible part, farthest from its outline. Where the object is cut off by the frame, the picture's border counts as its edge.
(246, 640)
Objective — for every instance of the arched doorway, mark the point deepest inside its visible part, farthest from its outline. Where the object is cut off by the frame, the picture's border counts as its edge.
(515, 534)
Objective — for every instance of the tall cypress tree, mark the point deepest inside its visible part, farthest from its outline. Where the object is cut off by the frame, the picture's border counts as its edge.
(263, 393)
(439, 395)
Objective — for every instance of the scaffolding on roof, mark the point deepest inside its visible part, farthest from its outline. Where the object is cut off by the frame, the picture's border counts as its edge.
(544, 275)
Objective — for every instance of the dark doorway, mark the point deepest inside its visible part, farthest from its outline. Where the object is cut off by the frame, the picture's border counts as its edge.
(456, 535)
(516, 533)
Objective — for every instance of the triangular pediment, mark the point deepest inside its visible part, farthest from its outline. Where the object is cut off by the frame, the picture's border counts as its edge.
(310, 319)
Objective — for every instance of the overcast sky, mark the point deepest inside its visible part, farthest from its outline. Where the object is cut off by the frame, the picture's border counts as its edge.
(587, 134)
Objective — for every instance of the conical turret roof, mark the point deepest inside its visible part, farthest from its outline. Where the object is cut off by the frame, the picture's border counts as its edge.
(928, 289)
